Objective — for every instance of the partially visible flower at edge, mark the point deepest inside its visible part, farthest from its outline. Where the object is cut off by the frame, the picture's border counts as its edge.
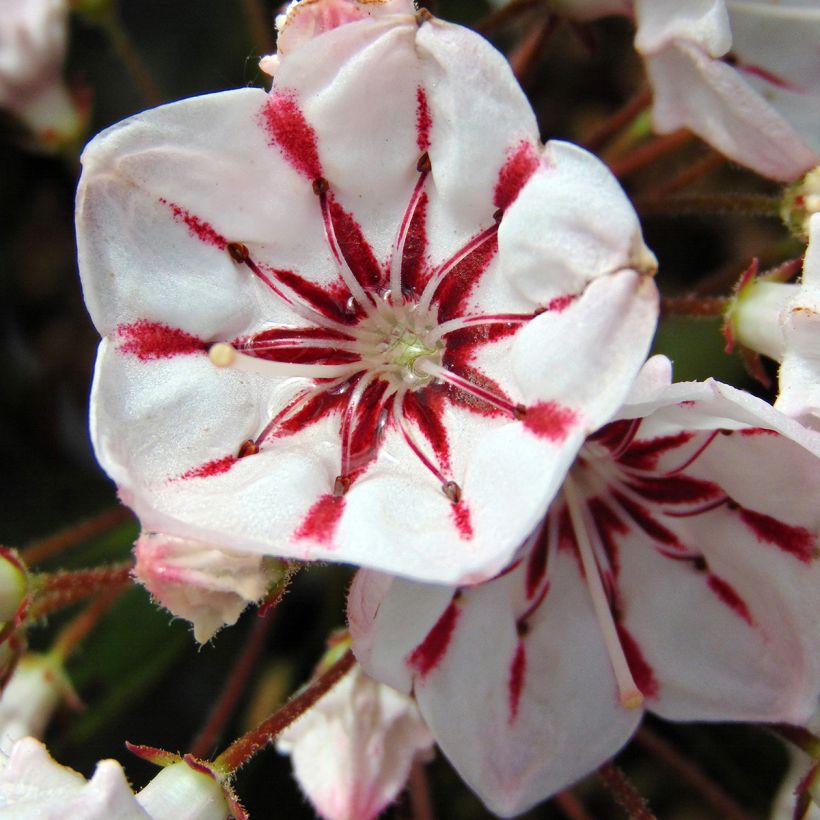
(199, 582)
(32, 784)
(353, 750)
(365, 318)
(782, 321)
(677, 571)
(33, 36)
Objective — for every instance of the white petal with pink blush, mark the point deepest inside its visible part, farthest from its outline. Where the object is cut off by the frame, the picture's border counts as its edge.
(353, 750)
(742, 74)
(676, 571)
(364, 318)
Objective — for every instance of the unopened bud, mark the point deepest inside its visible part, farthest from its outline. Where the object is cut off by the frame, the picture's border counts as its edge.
(800, 201)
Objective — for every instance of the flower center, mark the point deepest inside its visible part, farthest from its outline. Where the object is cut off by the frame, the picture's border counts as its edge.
(404, 340)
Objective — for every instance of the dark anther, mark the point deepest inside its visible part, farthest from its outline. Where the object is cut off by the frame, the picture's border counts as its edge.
(239, 252)
(423, 165)
(726, 432)
(522, 628)
(731, 504)
(700, 564)
(423, 16)
(320, 186)
(539, 310)
(730, 58)
(520, 411)
(498, 215)
(341, 485)
(452, 491)
(248, 448)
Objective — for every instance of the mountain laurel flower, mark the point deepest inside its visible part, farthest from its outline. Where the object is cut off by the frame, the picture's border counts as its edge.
(33, 35)
(366, 317)
(199, 582)
(352, 752)
(676, 571)
(33, 784)
(742, 74)
(782, 321)
(34, 691)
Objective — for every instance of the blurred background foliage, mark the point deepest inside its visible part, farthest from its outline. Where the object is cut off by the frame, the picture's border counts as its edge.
(140, 675)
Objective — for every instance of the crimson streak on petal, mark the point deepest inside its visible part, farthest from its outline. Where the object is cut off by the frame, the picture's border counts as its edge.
(428, 654)
(155, 340)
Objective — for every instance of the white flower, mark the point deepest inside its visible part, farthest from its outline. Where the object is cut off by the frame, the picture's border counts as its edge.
(367, 317)
(677, 571)
(33, 785)
(353, 750)
(782, 321)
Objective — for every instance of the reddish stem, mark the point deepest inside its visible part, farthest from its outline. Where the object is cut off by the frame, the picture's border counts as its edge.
(525, 56)
(245, 747)
(38, 551)
(698, 306)
(66, 588)
(76, 630)
(624, 793)
(225, 706)
(649, 152)
(689, 772)
(261, 29)
(571, 806)
(702, 166)
(507, 13)
(746, 204)
(421, 804)
(604, 132)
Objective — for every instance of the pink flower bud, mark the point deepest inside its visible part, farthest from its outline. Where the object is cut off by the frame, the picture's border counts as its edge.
(352, 752)
(198, 582)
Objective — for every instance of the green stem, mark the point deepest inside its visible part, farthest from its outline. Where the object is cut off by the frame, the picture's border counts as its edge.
(131, 59)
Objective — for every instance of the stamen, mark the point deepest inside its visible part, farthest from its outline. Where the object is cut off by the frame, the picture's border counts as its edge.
(240, 254)
(429, 367)
(366, 301)
(399, 416)
(438, 276)
(630, 695)
(474, 321)
(404, 228)
(285, 342)
(224, 355)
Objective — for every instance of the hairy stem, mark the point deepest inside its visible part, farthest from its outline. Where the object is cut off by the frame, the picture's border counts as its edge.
(245, 747)
(649, 152)
(617, 121)
(624, 792)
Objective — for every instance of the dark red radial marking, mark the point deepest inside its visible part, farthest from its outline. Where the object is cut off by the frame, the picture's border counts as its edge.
(614, 435)
(368, 429)
(608, 526)
(644, 519)
(642, 672)
(329, 301)
(560, 303)
(770, 77)
(321, 520)
(515, 681)
(197, 227)
(429, 653)
(211, 468)
(424, 121)
(454, 292)
(415, 269)
(154, 340)
(537, 564)
(643, 454)
(463, 520)
(796, 541)
(314, 409)
(756, 431)
(521, 164)
(472, 401)
(550, 420)
(261, 345)
(727, 594)
(677, 489)
(357, 251)
(426, 408)
(287, 129)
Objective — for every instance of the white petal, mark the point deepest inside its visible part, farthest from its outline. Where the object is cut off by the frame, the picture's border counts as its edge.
(703, 23)
(352, 751)
(693, 90)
